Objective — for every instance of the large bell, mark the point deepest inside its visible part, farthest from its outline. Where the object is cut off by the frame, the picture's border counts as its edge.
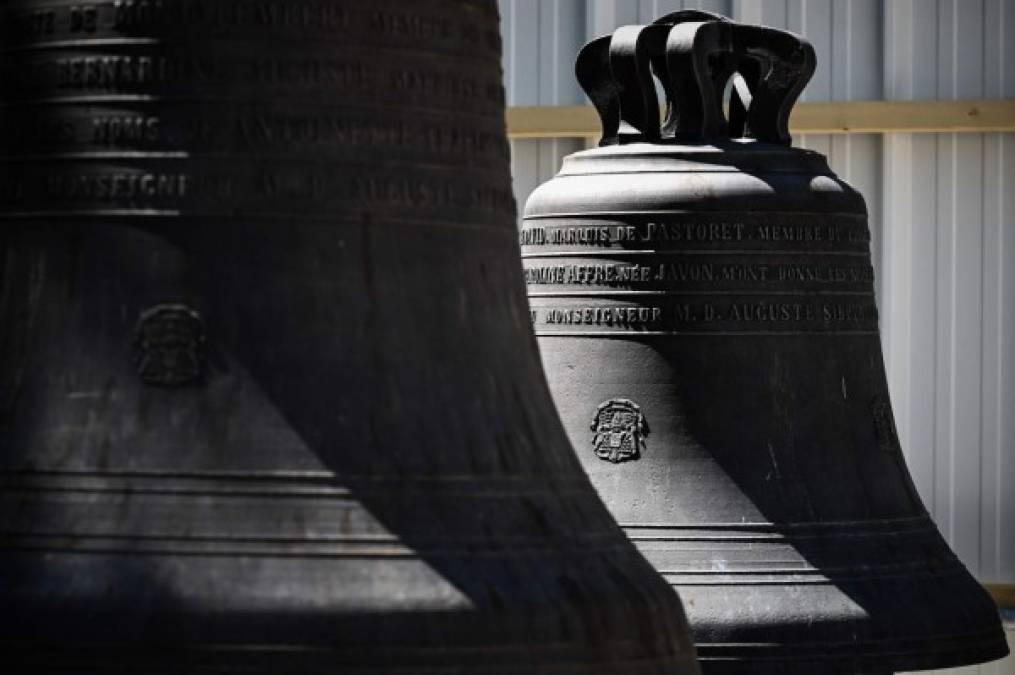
(270, 401)
(703, 299)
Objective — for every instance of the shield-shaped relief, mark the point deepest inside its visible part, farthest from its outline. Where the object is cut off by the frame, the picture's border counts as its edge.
(620, 431)
(169, 346)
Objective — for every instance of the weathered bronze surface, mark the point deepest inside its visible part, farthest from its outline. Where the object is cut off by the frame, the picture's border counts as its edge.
(269, 396)
(703, 299)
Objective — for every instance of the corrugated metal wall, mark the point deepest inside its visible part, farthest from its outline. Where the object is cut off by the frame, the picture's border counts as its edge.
(942, 213)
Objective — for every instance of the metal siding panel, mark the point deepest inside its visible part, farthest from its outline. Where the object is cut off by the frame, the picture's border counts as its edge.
(944, 300)
(650, 10)
(1006, 366)
(847, 37)
(724, 7)
(968, 32)
(522, 48)
(837, 60)
(541, 39)
(601, 17)
(606, 15)
(626, 13)
(945, 80)
(524, 169)
(798, 11)
(993, 43)
(1004, 55)
(897, 49)
(865, 80)
(999, 49)
(815, 23)
(817, 142)
(748, 11)
(960, 58)
(923, 60)
(895, 279)
(774, 13)
(533, 162)
(966, 346)
(995, 562)
(923, 332)
(948, 339)
(615, 13)
(1003, 363)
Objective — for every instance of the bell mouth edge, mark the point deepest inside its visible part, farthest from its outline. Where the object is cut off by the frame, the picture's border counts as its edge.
(851, 658)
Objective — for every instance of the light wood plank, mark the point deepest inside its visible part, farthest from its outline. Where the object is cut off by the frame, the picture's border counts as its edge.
(808, 117)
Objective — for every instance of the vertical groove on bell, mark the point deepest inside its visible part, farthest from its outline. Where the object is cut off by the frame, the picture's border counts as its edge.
(705, 310)
(269, 398)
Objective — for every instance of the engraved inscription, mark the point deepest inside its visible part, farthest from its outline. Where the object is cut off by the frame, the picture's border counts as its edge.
(431, 83)
(615, 274)
(168, 346)
(328, 77)
(259, 130)
(34, 23)
(411, 27)
(589, 274)
(118, 186)
(653, 233)
(402, 191)
(114, 71)
(84, 18)
(281, 13)
(125, 130)
(430, 28)
(252, 128)
(308, 18)
(278, 187)
(619, 431)
(691, 315)
(704, 273)
(603, 316)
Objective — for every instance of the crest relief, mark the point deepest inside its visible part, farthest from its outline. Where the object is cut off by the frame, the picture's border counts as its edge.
(168, 346)
(619, 431)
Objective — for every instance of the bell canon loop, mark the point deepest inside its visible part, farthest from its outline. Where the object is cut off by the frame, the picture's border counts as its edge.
(269, 397)
(703, 298)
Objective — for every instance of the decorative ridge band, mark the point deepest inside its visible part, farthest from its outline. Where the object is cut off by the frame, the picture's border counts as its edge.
(360, 546)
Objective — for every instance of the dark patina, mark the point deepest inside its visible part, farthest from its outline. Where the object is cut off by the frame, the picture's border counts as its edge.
(718, 281)
(269, 397)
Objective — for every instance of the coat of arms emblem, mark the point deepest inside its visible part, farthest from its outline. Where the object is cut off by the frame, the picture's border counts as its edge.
(169, 346)
(620, 431)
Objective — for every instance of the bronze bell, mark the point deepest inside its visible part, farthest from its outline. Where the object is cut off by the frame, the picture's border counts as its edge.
(703, 299)
(269, 399)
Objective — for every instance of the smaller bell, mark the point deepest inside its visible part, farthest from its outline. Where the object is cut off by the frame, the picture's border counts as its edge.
(703, 299)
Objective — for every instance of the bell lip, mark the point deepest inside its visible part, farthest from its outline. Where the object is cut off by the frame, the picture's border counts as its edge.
(289, 659)
(797, 659)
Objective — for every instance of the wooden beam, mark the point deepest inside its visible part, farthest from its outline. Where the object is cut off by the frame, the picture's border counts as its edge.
(904, 116)
(1003, 594)
(577, 121)
(808, 118)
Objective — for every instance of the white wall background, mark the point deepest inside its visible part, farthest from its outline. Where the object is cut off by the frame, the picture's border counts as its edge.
(942, 214)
